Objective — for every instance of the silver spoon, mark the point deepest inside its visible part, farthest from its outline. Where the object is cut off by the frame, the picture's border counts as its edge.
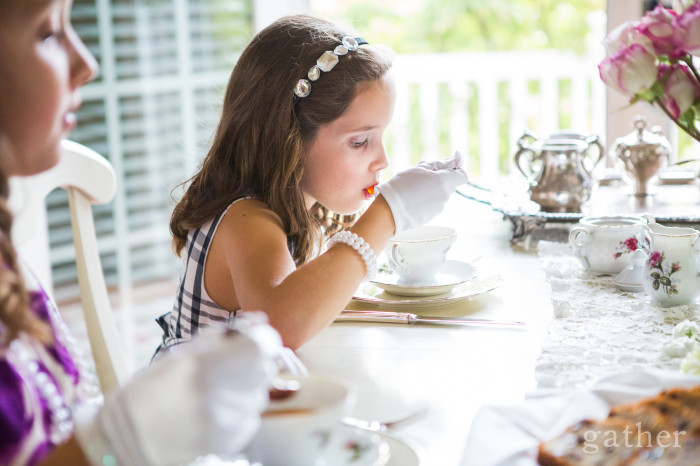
(378, 426)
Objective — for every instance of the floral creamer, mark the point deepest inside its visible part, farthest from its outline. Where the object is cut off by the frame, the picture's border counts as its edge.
(670, 273)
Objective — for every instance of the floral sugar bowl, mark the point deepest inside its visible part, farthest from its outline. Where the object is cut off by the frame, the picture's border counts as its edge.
(670, 275)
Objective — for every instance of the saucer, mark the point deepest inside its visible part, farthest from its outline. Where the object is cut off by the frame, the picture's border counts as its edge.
(450, 275)
(356, 447)
(633, 287)
(482, 283)
(630, 278)
(400, 452)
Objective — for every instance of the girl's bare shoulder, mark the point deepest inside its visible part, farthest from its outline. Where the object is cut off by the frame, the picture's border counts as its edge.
(251, 213)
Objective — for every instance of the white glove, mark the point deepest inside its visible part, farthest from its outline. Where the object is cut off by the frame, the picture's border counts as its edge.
(418, 194)
(205, 398)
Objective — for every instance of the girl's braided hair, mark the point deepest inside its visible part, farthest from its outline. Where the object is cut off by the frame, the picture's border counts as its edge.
(14, 300)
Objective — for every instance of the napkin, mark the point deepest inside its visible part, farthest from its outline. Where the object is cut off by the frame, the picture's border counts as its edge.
(510, 435)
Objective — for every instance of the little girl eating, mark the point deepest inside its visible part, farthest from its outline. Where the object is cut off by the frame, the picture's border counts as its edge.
(297, 153)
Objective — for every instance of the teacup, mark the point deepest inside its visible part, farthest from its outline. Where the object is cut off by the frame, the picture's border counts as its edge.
(296, 431)
(607, 242)
(416, 255)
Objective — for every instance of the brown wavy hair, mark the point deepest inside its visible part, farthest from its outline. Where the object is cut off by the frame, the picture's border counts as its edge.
(14, 300)
(263, 136)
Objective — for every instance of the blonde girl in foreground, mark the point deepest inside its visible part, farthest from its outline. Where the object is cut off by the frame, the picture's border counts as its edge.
(51, 411)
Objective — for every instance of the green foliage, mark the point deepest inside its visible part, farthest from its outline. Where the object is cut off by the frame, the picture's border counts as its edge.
(475, 25)
(433, 26)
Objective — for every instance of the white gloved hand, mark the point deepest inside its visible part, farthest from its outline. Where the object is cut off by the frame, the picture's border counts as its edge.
(417, 195)
(205, 398)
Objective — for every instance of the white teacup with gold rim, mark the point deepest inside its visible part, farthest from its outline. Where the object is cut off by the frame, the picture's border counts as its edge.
(297, 430)
(416, 255)
(607, 242)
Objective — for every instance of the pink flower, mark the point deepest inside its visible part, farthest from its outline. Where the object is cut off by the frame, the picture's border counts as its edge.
(632, 244)
(623, 36)
(657, 25)
(686, 35)
(675, 267)
(681, 89)
(654, 258)
(679, 6)
(631, 71)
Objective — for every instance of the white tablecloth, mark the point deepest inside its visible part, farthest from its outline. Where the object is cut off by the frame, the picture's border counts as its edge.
(599, 330)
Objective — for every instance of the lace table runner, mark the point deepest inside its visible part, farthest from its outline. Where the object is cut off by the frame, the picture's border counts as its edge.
(599, 330)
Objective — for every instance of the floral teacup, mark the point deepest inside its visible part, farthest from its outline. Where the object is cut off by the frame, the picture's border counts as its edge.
(606, 243)
(297, 431)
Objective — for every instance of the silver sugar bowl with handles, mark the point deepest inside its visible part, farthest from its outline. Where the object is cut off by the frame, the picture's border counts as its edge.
(559, 169)
(640, 156)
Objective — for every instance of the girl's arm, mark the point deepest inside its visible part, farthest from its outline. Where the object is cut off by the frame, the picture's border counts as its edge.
(249, 267)
(66, 453)
(250, 252)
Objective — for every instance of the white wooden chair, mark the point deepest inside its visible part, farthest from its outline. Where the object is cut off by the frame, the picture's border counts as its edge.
(89, 179)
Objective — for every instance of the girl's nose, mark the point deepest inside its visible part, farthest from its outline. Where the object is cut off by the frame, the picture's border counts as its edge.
(84, 66)
(382, 160)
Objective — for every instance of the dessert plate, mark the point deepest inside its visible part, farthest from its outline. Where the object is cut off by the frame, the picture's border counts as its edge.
(450, 275)
(545, 414)
(370, 293)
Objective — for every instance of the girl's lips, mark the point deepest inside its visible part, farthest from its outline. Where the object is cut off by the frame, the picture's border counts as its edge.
(370, 189)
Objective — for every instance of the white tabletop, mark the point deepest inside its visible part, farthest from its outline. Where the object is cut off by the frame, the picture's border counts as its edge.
(396, 368)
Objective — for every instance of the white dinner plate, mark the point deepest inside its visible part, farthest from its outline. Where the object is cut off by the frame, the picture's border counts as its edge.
(450, 275)
(370, 293)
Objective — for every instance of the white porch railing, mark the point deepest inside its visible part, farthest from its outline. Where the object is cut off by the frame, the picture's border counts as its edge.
(490, 97)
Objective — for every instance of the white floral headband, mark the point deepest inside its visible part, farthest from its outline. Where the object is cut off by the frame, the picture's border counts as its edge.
(325, 63)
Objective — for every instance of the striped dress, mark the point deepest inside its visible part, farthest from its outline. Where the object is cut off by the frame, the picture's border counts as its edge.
(193, 309)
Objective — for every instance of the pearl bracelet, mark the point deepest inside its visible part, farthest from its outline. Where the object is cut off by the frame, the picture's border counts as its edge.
(359, 245)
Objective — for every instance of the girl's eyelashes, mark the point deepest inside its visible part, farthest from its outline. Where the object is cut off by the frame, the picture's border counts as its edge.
(358, 144)
(53, 27)
(52, 34)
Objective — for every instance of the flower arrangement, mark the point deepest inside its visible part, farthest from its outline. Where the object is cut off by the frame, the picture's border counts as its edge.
(652, 60)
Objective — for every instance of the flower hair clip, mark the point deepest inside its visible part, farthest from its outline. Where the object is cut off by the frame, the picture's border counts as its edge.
(325, 63)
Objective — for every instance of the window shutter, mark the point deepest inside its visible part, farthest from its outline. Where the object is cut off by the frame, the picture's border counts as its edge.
(151, 112)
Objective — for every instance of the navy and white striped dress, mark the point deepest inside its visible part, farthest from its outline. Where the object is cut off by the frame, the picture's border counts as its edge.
(193, 309)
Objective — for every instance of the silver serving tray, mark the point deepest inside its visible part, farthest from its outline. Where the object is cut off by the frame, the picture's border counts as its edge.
(671, 204)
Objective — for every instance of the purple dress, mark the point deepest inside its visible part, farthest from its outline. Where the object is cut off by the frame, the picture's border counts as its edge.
(39, 386)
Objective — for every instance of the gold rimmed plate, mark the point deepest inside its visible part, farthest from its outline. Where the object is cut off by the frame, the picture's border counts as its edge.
(370, 293)
(451, 274)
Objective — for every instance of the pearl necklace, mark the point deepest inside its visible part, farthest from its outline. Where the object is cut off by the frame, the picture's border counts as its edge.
(23, 355)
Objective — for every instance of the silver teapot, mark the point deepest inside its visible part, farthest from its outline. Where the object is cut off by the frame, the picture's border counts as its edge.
(559, 169)
(640, 155)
